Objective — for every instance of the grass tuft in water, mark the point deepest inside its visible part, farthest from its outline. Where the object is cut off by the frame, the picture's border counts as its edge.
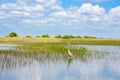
(48, 49)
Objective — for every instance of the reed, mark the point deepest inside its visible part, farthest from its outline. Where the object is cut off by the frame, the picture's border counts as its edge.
(50, 48)
(47, 49)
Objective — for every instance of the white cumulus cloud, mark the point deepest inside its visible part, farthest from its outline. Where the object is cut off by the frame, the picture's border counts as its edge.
(91, 9)
(94, 0)
(115, 12)
(47, 12)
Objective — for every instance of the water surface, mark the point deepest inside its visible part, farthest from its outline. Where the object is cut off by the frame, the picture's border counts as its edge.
(102, 64)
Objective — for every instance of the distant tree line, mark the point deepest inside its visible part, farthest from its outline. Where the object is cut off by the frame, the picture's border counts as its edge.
(14, 34)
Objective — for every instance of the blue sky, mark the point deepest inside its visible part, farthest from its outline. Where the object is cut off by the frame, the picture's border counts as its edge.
(100, 18)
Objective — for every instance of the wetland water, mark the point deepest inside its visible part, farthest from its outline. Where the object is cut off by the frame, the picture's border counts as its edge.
(103, 63)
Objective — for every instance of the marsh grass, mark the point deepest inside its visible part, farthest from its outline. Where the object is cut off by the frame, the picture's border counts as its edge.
(51, 51)
(46, 48)
(53, 47)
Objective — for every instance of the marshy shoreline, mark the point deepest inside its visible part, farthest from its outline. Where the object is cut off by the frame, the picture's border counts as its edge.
(54, 45)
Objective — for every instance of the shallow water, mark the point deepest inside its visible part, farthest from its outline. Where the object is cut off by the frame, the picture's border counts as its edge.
(8, 46)
(102, 64)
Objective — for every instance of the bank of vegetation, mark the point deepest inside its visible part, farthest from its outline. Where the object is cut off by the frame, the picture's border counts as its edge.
(46, 38)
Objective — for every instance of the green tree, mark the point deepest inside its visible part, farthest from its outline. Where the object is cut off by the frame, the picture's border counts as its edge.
(28, 36)
(88, 37)
(71, 36)
(78, 37)
(45, 36)
(13, 34)
(58, 36)
(66, 37)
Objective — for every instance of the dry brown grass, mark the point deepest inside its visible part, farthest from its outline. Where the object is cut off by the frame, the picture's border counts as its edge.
(83, 41)
(27, 40)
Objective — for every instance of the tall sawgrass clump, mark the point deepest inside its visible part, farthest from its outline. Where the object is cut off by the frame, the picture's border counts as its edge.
(52, 48)
(48, 49)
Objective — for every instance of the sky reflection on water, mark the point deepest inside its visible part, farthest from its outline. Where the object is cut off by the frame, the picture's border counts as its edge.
(98, 66)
